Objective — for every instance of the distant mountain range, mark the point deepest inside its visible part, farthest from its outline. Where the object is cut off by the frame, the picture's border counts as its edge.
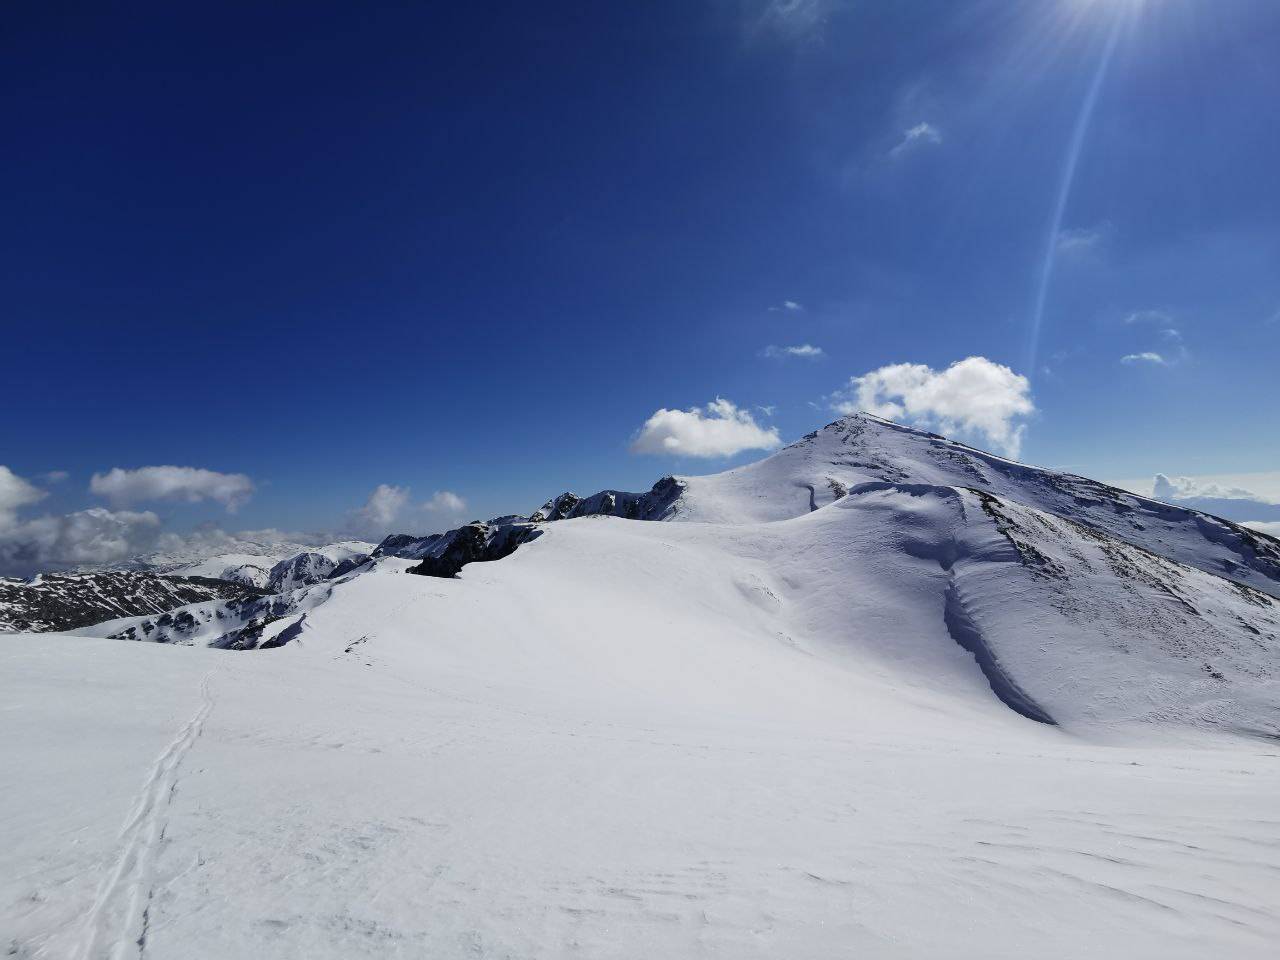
(67, 601)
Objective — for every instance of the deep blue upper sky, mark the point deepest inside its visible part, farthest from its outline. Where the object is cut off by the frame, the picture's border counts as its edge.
(474, 247)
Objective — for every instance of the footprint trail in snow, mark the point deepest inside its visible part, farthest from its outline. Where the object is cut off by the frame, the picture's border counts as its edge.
(117, 923)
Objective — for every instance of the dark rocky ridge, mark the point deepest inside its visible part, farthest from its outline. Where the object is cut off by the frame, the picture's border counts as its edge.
(66, 601)
(444, 554)
(237, 624)
(472, 543)
(657, 503)
(308, 568)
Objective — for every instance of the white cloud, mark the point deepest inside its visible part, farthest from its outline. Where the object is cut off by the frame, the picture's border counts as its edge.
(82, 538)
(1182, 488)
(974, 396)
(768, 410)
(919, 135)
(388, 510)
(384, 506)
(1220, 497)
(445, 501)
(803, 350)
(209, 540)
(53, 476)
(789, 306)
(1077, 240)
(788, 19)
(1259, 487)
(15, 493)
(1174, 352)
(88, 536)
(190, 484)
(720, 429)
(1271, 528)
(1149, 316)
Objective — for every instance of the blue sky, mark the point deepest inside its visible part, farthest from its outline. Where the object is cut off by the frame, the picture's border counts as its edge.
(474, 250)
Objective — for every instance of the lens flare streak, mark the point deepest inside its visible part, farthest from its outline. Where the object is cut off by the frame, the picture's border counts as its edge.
(1074, 148)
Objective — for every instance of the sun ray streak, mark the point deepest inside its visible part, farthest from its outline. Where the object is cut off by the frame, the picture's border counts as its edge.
(1074, 148)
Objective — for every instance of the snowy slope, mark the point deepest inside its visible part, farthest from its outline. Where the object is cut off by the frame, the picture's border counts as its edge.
(888, 697)
(241, 623)
(818, 469)
(627, 740)
(823, 466)
(1067, 621)
(253, 569)
(345, 550)
(1059, 622)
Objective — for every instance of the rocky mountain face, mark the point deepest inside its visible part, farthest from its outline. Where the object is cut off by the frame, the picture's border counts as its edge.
(242, 623)
(449, 553)
(298, 571)
(247, 573)
(659, 503)
(315, 566)
(56, 602)
(444, 554)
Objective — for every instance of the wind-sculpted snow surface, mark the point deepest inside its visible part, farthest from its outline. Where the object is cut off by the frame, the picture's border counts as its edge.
(1070, 625)
(818, 469)
(878, 695)
(677, 740)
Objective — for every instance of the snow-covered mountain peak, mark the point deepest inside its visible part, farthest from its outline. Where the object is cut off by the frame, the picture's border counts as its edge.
(313, 566)
(557, 508)
(825, 465)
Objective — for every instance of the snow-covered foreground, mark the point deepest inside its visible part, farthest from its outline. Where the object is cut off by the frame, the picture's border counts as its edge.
(651, 740)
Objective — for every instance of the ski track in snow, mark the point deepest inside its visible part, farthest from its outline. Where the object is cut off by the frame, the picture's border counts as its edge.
(117, 923)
